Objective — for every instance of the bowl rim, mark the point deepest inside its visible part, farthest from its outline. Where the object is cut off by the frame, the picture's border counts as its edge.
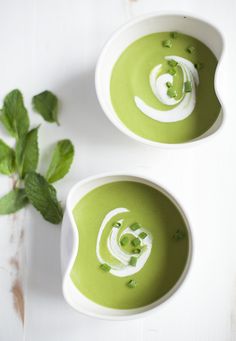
(178, 286)
(200, 139)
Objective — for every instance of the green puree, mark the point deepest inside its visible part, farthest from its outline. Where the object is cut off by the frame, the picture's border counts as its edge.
(153, 211)
(130, 77)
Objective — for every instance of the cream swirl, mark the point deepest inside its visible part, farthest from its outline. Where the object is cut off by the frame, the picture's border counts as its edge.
(115, 255)
(184, 106)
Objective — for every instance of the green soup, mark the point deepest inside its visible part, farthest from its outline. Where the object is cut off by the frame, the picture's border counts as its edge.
(133, 245)
(162, 88)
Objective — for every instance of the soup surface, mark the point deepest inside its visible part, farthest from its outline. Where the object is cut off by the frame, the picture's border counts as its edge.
(162, 87)
(133, 245)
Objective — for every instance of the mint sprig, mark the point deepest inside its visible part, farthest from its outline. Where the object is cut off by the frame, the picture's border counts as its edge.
(7, 159)
(14, 116)
(23, 159)
(13, 201)
(46, 104)
(43, 197)
(27, 153)
(62, 158)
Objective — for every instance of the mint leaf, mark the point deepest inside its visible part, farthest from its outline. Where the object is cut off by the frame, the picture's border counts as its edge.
(13, 201)
(43, 197)
(27, 152)
(14, 115)
(62, 158)
(46, 104)
(6, 123)
(7, 159)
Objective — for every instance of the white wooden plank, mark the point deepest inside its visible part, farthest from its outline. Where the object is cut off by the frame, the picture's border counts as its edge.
(14, 61)
(205, 308)
(68, 39)
(11, 275)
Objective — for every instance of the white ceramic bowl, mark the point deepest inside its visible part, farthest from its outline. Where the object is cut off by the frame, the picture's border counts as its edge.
(70, 245)
(137, 28)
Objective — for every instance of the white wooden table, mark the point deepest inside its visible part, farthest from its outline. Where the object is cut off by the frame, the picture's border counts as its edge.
(54, 44)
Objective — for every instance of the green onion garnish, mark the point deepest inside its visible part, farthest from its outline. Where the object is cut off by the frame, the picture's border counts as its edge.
(132, 284)
(136, 241)
(135, 226)
(187, 86)
(178, 235)
(174, 35)
(142, 235)
(172, 72)
(133, 261)
(190, 49)
(172, 63)
(171, 93)
(167, 43)
(105, 267)
(168, 84)
(136, 251)
(117, 224)
(124, 240)
(198, 66)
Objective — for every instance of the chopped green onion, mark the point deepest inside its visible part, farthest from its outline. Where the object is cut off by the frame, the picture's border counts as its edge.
(168, 84)
(198, 66)
(190, 49)
(167, 43)
(105, 267)
(178, 235)
(171, 93)
(136, 251)
(187, 86)
(172, 63)
(142, 235)
(132, 284)
(136, 241)
(172, 71)
(117, 224)
(124, 240)
(174, 35)
(135, 226)
(133, 261)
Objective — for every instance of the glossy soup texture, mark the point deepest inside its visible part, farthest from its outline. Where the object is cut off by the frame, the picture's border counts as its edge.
(104, 218)
(142, 99)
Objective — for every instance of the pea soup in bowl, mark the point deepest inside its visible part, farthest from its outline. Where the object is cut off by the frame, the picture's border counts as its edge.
(156, 79)
(126, 246)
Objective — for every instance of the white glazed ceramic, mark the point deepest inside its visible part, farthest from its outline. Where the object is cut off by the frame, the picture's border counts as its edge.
(70, 245)
(142, 26)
